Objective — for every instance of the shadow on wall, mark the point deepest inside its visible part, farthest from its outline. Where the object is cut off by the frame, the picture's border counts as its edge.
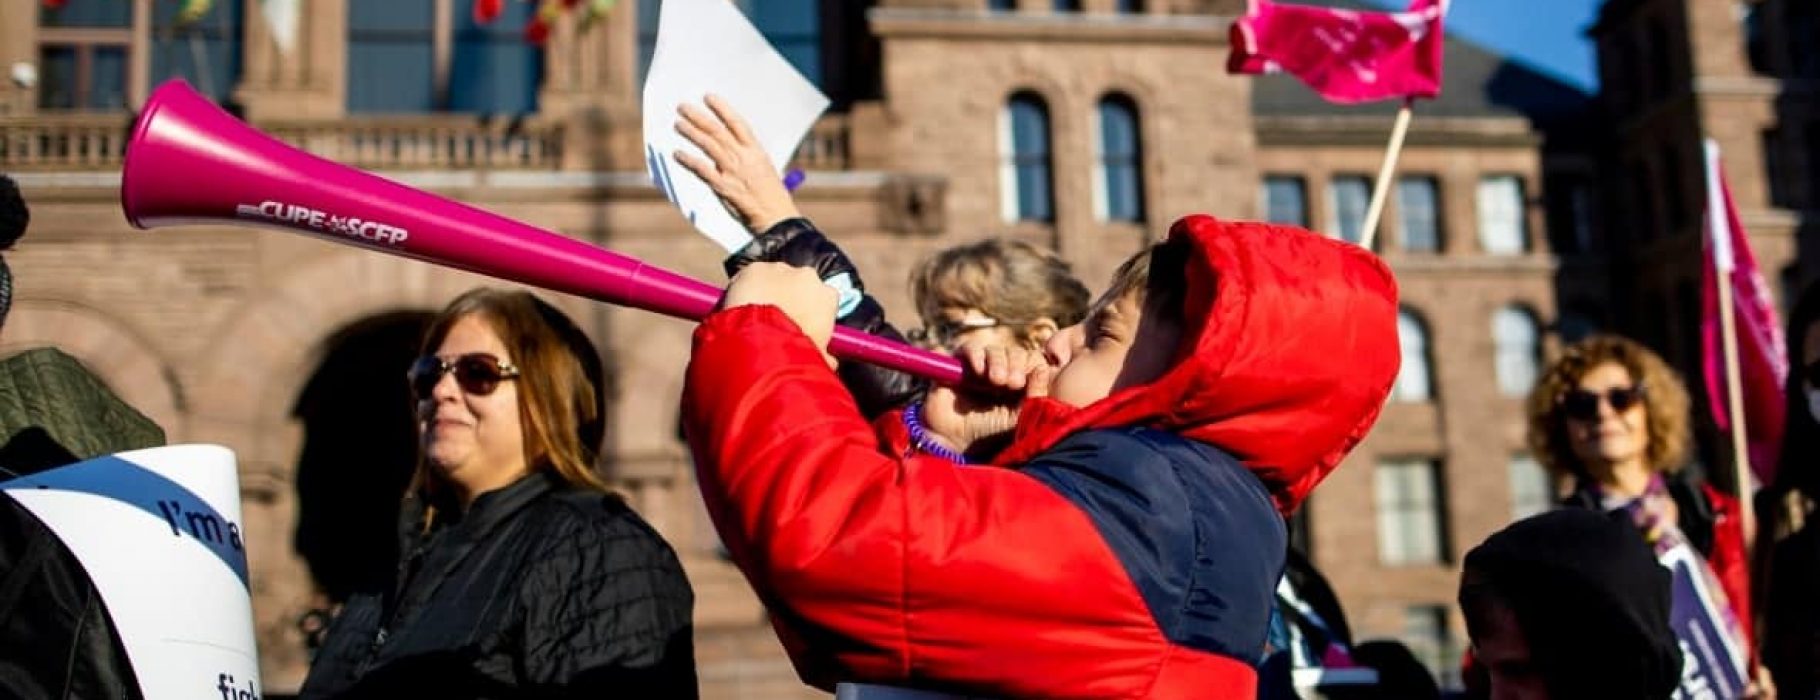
(359, 448)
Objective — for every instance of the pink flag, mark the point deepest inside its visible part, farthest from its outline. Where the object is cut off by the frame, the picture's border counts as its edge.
(1762, 364)
(1347, 56)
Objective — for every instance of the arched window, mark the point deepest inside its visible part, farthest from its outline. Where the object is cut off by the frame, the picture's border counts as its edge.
(1025, 185)
(1119, 174)
(1518, 350)
(1415, 380)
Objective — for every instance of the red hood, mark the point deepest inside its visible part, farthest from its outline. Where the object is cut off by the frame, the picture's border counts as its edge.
(1288, 354)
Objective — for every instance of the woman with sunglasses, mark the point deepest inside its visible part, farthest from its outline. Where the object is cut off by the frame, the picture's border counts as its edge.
(1612, 417)
(1788, 550)
(520, 574)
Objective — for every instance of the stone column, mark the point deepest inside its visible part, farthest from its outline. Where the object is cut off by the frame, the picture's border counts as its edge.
(18, 46)
(308, 82)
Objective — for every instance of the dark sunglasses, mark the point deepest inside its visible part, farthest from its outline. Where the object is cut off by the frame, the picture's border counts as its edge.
(1581, 404)
(477, 373)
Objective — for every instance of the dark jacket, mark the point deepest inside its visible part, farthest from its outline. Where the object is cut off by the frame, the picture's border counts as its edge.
(797, 242)
(1709, 519)
(56, 638)
(537, 591)
(1791, 604)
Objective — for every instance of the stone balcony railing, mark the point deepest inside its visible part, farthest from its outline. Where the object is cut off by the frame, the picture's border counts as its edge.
(97, 141)
(427, 142)
(87, 141)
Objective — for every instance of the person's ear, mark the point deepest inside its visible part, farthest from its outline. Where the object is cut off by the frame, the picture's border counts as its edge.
(1041, 330)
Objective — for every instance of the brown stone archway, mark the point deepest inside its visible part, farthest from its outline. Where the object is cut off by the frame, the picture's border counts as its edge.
(107, 346)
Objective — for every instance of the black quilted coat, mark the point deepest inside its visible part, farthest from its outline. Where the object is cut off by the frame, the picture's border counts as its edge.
(537, 591)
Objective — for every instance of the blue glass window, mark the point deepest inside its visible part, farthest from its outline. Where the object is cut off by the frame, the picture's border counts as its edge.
(792, 26)
(1286, 200)
(493, 70)
(1121, 167)
(206, 51)
(1347, 199)
(391, 56)
(1419, 214)
(1025, 158)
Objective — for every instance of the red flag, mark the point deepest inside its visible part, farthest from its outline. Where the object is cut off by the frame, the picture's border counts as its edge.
(1762, 364)
(1347, 56)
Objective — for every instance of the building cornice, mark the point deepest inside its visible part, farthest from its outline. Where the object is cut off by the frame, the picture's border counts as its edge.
(1077, 27)
(1374, 131)
(1539, 264)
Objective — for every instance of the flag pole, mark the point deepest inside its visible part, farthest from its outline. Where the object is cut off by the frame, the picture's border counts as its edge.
(1723, 265)
(1381, 190)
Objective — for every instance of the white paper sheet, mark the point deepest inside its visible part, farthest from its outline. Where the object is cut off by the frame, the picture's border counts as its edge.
(708, 46)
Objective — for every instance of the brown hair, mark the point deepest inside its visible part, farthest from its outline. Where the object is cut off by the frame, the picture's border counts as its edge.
(561, 404)
(1665, 403)
(1012, 281)
(1158, 274)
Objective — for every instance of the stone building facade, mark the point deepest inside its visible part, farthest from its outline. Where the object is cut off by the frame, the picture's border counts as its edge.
(281, 347)
(1745, 75)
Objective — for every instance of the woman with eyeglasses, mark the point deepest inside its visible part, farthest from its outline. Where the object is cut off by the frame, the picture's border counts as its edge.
(1612, 417)
(992, 293)
(1788, 549)
(520, 574)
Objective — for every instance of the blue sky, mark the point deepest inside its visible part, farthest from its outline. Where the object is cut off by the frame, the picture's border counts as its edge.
(1548, 35)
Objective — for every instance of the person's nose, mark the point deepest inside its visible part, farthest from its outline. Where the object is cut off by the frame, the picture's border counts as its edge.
(446, 389)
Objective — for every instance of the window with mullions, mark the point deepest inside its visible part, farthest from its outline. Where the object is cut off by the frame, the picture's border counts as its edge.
(84, 54)
(205, 51)
(1517, 340)
(1415, 379)
(1419, 214)
(407, 56)
(1502, 230)
(1286, 200)
(1348, 196)
(794, 28)
(1119, 177)
(1025, 184)
(1411, 521)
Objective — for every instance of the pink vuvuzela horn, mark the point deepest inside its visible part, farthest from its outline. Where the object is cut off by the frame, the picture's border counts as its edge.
(190, 162)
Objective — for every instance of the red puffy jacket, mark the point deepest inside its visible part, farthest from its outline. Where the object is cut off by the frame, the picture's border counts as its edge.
(1132, 550)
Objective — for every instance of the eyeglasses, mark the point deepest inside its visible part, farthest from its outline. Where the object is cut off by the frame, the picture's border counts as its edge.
(1580, 404)
(945, 331)
(477, 373)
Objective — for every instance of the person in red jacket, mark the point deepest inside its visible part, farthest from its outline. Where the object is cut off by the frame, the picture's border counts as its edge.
(1122, 541)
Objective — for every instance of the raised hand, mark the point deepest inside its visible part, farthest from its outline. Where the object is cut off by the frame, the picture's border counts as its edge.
(738, 170)
(796, 290)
